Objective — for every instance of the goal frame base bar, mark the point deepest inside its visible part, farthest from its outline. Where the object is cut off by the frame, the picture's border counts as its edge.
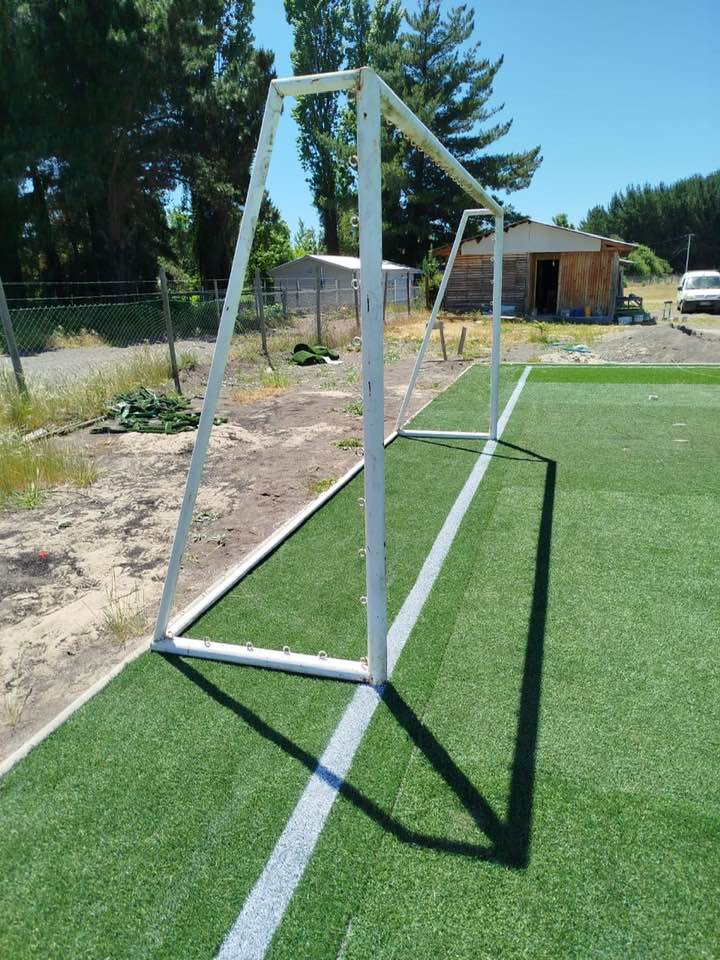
(445, 434)
(318, 665)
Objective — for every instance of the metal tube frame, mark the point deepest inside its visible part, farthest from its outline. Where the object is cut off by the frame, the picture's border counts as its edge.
(372, 97)
(495, 350)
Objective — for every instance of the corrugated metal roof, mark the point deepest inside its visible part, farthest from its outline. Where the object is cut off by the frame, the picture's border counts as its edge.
(347, 263)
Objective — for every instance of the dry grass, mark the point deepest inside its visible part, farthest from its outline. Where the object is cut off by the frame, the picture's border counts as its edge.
(272, 383)
(408, 329)
(18, 688)
(60, 340)
(124, 617)
(479, 333)
(337, 333)
(27, 469)
(654, 296)
(80, 398)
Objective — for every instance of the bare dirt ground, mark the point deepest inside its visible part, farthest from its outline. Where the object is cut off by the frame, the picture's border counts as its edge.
(660, 343)
(86, 567)
(80, 576)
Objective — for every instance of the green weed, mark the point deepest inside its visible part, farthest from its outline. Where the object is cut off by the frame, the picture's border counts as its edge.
(320, 486)
(124, 617)
(61, 339)
(349, 443)
(27, 469)
(187, 361)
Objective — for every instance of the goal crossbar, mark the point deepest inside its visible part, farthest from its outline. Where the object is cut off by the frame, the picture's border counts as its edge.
(373, 98)
(432, 323)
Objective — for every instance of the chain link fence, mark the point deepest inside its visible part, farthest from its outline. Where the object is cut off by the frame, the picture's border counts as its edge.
(57, 327)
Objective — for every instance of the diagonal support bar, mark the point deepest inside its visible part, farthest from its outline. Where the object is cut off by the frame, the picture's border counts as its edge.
(273, 108)
(425, 140)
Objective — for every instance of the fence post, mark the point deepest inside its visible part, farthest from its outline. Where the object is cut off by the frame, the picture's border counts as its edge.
(461, 344)
(10, 341)
(218, 309)
(357, 301)
(441, 328)
(283, 300)
(169, 327)
(318, 323)
(260, 311)
(407, 284)
(385, 297)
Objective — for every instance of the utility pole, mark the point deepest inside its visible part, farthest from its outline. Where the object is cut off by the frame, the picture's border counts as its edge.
(687, 255)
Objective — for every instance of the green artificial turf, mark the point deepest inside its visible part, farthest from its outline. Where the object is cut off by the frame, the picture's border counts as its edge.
(543, 776)
(307, 595)
(607, 373)
(138, 828)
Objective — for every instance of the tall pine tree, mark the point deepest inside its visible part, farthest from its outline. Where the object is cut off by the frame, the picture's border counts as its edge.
(318, 48)
(217, 83)
(443, 77)
(449, 85)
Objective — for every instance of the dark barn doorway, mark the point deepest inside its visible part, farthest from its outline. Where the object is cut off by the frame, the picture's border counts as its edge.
(547, 283)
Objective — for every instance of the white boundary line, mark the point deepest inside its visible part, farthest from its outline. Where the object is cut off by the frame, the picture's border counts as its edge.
(265, 906)
(216, 590)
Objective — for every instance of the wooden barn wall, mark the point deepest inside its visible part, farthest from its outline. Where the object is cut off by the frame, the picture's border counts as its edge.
(585, 280)
(470, 284)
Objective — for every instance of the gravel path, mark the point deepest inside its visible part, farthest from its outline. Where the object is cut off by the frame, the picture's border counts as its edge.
(54, 366)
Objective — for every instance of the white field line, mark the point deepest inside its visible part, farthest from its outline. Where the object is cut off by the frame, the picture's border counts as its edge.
(191, 613)
(265, 906)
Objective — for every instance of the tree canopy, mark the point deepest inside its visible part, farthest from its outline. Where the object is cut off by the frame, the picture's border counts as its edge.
(661, 217)
(127, 131)
(429, 59)
(105, 109)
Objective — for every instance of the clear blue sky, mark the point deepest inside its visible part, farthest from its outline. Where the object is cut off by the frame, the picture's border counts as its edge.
(614, 92)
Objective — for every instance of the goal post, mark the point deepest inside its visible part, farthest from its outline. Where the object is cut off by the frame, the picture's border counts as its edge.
(491, 434)
(373, 99)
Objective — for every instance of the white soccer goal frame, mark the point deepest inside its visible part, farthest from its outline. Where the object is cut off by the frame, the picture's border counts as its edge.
(373, 97)
(495, 349)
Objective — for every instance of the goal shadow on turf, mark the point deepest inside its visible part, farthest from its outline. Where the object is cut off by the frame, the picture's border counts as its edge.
(509, 836)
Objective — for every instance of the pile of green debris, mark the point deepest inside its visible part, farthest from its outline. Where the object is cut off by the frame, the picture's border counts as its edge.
(144, 411)
(305, 356)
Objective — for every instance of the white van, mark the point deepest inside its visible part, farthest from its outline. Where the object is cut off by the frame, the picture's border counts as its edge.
(699, 290)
